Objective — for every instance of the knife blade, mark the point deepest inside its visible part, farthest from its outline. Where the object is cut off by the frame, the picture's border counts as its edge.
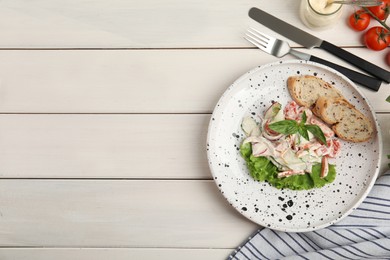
(310, 41)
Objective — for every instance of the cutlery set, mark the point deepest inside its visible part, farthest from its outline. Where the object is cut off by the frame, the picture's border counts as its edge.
(280, 48)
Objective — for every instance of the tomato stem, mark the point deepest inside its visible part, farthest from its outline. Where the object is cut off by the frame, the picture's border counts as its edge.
(376, 18)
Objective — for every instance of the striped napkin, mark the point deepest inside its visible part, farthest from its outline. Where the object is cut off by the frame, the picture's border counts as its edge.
(364, 234)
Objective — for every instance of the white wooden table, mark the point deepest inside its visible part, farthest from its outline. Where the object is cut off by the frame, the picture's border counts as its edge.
(104, 113)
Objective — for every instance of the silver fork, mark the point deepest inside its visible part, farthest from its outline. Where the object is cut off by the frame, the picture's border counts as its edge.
(279, 48)
(273, 46)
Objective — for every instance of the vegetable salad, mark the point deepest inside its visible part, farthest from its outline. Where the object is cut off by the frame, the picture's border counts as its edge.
(289, 148)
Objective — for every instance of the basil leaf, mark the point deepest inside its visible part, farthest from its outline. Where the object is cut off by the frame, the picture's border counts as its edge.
(287, 127)
(388, 99)
(303, 132)
(304, 118)
(317, 132)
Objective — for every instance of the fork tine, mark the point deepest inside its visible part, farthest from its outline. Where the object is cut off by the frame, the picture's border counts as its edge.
(268, 40)
(259, 44)
(257, 38)
(261, 35)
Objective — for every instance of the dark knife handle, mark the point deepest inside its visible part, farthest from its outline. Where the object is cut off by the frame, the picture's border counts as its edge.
(367, 81)
(355, 60)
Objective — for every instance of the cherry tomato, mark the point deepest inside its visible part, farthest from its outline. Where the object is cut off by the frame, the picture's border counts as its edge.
(359, 20)
(381, 11)
(376, 38)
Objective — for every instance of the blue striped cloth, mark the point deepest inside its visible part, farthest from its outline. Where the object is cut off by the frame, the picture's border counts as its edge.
(364, 234)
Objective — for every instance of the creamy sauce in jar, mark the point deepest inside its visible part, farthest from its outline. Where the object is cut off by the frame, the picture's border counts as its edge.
(322, 6)
(319, 14)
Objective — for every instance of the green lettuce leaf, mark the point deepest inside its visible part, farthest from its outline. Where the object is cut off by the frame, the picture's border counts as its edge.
(262, 169)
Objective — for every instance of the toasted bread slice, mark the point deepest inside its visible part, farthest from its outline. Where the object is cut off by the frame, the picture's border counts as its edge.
(348, 123)
(305, 90)
(354, 128)
(332, 110)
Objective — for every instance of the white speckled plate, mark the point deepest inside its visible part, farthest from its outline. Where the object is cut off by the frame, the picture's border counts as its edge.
(287, 210)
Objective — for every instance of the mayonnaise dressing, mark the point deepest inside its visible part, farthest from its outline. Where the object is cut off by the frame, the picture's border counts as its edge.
(319, 14)
(322, 6)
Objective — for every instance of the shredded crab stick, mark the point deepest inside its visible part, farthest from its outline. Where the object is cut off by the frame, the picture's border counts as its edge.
(290, 173)
(292, 154)
(324, 167)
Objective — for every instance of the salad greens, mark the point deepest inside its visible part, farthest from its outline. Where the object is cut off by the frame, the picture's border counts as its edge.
(262, 169)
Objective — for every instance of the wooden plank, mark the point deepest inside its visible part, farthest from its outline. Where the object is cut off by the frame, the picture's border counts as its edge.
(103, 146)
(159, 81)
(90, 213)
(144, 24)
(112, 146)
(112, 253)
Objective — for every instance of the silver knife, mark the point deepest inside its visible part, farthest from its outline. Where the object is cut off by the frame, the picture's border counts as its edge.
(310, 41)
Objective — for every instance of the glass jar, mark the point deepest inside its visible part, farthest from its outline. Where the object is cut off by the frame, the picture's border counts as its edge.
(317, 14)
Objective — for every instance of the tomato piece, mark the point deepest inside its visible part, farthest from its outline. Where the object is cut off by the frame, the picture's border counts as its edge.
(381, 11)
(359, 20)
(376, 38)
